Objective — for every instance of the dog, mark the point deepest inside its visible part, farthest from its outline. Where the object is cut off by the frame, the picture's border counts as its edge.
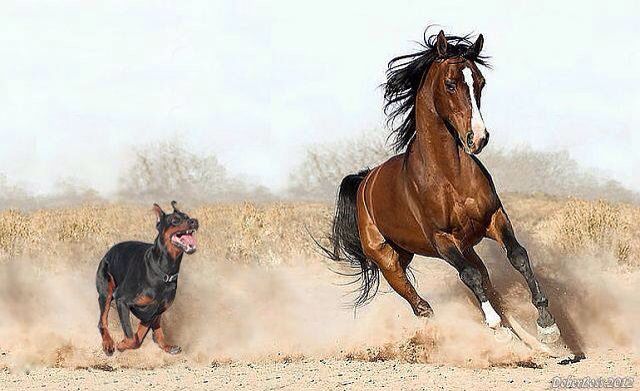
(142, 279)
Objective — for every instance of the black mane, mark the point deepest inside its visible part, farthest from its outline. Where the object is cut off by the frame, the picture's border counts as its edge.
(404, 77)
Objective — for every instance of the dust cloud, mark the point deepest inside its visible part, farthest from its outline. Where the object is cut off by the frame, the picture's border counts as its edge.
(227, 311)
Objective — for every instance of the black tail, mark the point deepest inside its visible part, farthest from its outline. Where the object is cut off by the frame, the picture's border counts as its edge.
(345, 240)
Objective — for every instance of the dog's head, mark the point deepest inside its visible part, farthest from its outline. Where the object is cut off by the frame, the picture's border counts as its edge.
(176, 230)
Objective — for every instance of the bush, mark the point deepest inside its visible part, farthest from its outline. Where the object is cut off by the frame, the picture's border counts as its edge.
(595, 226)
(168, 170)
(324, 165)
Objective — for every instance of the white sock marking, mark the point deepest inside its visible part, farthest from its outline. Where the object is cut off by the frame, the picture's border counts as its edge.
(491, 317)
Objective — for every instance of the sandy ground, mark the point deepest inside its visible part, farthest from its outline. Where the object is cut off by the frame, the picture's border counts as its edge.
(321, 374)
(277, 321)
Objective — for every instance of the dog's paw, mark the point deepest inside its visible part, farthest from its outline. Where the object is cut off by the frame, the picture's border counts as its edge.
(127, 343)
(108, 346)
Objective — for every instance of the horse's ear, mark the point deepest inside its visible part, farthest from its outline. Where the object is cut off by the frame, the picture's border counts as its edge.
(158, 211)
(476, 48)
(441, 44)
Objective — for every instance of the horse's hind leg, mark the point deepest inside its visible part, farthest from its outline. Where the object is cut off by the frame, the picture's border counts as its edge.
(501, 231)
(392, 262)
(393, 266)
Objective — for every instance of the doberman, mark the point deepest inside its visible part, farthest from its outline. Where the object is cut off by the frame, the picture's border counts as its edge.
(142, 278)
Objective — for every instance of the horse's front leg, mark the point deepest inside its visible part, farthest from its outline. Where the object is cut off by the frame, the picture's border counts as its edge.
(501, 231)
(472, 273)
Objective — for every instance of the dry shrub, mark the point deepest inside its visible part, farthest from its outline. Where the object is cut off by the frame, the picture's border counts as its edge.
(66, 191)
(524, 170)
(169, 170)
(324, 165)
(595, 226)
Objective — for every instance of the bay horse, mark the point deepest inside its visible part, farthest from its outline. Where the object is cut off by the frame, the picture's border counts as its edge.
(435, 198)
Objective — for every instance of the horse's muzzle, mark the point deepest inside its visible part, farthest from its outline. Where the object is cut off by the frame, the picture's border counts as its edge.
(475, 142)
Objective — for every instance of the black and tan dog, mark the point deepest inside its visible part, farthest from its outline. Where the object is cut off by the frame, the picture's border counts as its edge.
(142, 278)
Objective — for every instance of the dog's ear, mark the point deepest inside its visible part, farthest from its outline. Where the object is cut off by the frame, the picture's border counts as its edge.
(174, 205)
(159, 213)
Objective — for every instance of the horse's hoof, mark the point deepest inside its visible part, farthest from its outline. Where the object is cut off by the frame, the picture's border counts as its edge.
(502, 334)
(548, 335)
(173, 350)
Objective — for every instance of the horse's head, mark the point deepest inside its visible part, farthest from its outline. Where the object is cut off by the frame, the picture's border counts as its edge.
(457, 85)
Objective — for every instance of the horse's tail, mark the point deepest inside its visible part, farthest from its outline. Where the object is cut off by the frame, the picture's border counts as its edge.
(345, 240)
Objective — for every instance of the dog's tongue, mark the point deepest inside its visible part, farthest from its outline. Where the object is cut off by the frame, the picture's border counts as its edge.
(188, 240)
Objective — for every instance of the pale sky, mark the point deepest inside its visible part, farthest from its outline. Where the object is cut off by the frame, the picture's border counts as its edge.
(81, 81)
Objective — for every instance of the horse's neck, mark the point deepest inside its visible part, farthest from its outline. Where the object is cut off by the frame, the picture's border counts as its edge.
(435, 147)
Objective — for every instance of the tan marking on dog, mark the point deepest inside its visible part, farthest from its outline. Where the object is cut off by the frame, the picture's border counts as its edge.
(143, 300)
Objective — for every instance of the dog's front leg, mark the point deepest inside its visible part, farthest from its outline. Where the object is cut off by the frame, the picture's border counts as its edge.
(131, 340)
(158, 337)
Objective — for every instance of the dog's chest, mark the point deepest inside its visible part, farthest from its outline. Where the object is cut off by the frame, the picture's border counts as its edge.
(154, 302)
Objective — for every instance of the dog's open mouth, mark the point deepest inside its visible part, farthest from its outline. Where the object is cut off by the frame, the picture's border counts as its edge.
(186, 240)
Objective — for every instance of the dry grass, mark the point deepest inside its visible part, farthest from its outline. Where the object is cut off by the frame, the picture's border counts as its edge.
(243, 232)
(271, 233)
(595, 226)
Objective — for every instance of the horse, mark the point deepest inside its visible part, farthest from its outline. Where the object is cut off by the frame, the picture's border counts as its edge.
(434, 198)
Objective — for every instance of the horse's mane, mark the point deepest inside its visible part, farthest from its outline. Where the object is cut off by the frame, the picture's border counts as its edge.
(404, 77)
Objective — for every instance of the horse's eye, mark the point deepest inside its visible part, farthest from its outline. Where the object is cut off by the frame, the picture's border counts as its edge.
(450, 85)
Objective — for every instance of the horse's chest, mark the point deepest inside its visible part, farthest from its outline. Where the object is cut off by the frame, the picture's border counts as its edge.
(469, 219)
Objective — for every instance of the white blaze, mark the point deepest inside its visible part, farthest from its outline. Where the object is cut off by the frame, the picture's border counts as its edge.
(491, 317)
(477, 123)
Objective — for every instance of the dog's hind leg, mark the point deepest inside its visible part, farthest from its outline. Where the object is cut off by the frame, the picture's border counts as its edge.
(158, 337)
(105, 286)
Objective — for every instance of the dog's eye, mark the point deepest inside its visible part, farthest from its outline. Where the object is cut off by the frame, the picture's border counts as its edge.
(175, 220)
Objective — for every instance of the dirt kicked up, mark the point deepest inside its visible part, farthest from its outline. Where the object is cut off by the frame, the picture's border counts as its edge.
(279, 320)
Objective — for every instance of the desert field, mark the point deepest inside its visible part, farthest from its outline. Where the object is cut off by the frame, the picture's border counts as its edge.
(258, 307)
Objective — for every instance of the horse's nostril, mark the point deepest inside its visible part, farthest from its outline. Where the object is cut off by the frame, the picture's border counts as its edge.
(470, 139)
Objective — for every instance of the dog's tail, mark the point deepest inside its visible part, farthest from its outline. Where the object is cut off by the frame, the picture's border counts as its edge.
(345, 240)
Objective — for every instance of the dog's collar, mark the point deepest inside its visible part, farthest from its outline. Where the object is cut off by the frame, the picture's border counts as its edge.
(170, 278)
(156, 269)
